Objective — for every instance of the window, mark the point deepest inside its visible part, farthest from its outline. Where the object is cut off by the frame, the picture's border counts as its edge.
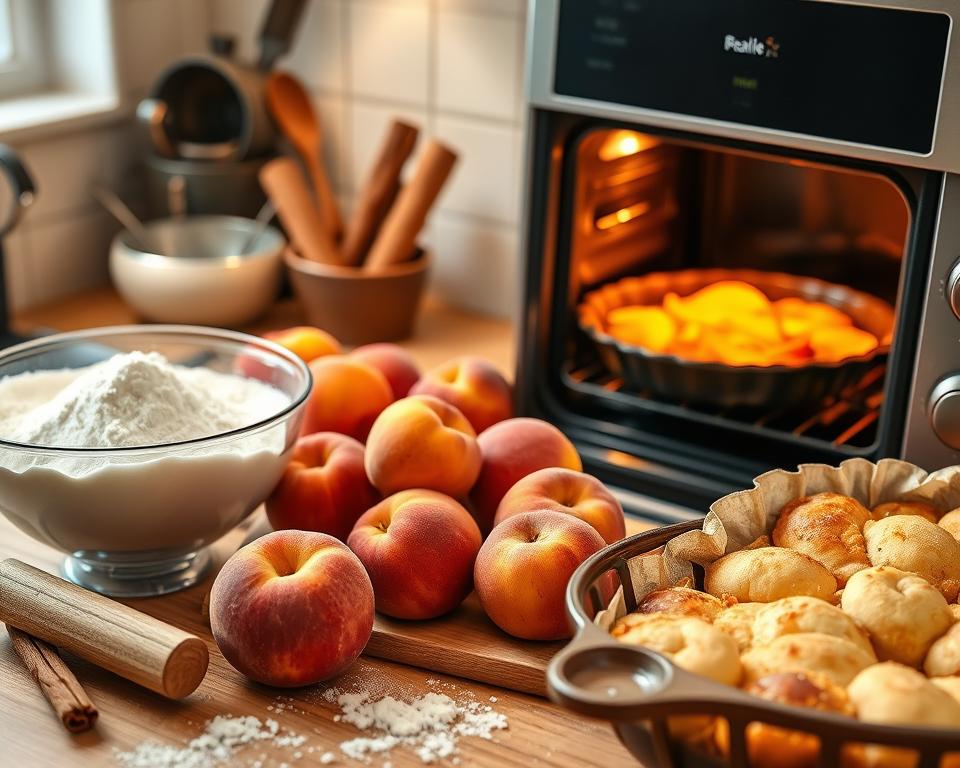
(23, 60)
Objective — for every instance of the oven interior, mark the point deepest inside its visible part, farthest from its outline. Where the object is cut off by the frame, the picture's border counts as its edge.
(640, 203)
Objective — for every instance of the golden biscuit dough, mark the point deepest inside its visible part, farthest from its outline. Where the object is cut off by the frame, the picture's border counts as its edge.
(691, 643)
(766, 574)
(772, 747)
(902, 612)
(920, 508)
(797, 615)
(950, 522)
(943, 658)
(893, 694)
(681, 601)
(737, 621)
(914, 544)
(810, 653)
(949, 684)
(829, 528)
(955, 610)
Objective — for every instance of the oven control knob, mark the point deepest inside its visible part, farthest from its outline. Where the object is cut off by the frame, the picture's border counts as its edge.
(953, 289)
(945, 410)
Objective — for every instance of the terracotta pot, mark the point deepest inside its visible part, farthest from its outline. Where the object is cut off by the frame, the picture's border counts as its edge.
(356, 306)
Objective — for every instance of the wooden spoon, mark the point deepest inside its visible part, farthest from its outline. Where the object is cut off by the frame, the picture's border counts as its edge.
(289, 105)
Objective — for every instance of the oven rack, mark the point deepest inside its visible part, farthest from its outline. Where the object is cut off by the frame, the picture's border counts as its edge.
(846, 422)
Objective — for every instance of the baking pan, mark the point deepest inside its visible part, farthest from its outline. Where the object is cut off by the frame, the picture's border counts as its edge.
(677, 379)
(637, 690)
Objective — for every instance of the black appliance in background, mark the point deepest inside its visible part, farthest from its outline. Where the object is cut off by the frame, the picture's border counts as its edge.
(815, 138)
(17, 192)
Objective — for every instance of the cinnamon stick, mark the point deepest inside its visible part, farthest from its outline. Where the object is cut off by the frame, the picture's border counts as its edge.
(379, 191)
(397, 238)
(59, 685)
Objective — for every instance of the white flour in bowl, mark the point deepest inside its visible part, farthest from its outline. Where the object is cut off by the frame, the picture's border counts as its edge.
(130, 400)
(174, 498)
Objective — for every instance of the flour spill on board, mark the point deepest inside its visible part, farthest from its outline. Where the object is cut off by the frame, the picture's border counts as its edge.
(431, 726)
(130, 400)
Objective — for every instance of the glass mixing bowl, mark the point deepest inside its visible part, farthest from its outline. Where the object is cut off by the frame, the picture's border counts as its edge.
(136, 521)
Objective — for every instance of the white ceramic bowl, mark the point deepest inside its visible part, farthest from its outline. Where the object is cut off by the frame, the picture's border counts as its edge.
(201, 279)
(135, 521)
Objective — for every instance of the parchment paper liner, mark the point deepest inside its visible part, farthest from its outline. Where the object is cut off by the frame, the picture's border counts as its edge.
(739, 518)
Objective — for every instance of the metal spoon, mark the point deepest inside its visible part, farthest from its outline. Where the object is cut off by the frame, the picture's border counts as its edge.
(264, 215)
(122, 213)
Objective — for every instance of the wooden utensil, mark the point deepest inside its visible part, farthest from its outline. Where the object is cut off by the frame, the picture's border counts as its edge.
(109, 634)
(284, 184)
(289, 105)
(379, 191)
(397, 238)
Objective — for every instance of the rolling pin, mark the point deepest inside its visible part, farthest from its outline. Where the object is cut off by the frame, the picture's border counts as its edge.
(378, 192)
(397, 238)
(284, 184)
(107, 633)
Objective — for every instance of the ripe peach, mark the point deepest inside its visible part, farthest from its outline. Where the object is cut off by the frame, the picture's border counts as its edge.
(305, 341)
(422, 442)
(564, 490)
(392, 361)
(292, 608)
(347, 397)
(523, 568)
(324, 488)
(472, 385)
(418, 547)
(511, 450)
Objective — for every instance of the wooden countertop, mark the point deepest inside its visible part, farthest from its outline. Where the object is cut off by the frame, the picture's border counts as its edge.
(539, 734)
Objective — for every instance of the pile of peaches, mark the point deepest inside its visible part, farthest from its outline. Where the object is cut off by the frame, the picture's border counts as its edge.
(404, 493)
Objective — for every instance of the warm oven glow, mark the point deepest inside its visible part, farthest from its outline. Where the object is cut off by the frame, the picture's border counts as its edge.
(625, 143)
(622, 216)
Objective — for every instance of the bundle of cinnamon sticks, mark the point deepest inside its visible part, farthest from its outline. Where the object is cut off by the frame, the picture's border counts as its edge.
(388, 217)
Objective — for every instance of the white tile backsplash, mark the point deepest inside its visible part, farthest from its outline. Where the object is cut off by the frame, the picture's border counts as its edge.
(475, 263)
(147, 32)
(317, 53)
(514, 8)
(476, 64)
(69, 255)
(16, 255)
(63, 169)
(332, 116)
(486, 180)
(389, 49)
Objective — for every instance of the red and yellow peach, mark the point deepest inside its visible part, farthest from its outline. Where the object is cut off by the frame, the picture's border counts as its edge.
(419, 547)
(324, 487)
(422, 442)
(573, 493)
(347, 397)
(510, 451)
(522, 571)
(473, 386)
(292, 608)
(394, 362)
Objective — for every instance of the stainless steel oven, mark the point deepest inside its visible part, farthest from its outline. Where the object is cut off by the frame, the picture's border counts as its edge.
(809, 149)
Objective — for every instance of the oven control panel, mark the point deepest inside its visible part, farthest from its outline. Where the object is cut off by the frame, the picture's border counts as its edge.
(865, 75)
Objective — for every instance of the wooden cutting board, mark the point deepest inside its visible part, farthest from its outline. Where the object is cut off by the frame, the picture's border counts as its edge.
(467, 644)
